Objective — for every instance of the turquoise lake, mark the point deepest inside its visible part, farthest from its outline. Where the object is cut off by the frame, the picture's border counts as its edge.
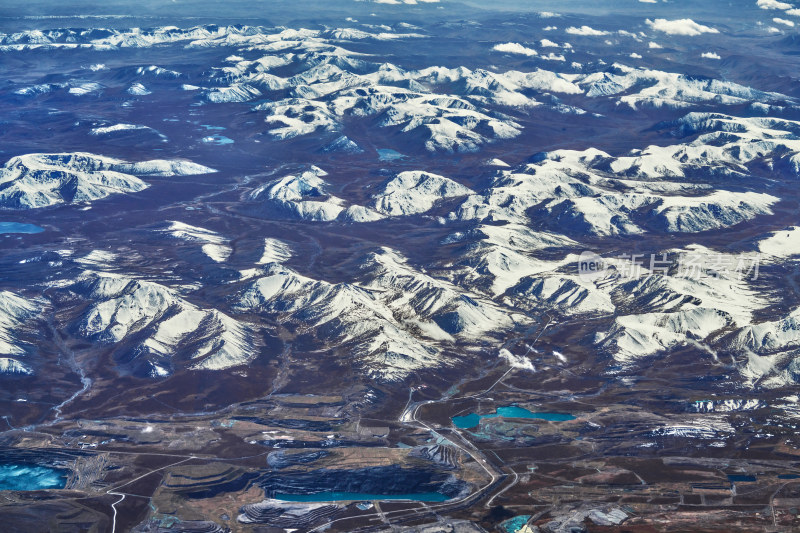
(30, 477)
(354, 496)
(17, 227)
(512, 525)
(472, 420)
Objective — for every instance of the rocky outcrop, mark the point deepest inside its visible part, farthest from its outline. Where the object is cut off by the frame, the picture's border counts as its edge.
(278, 513)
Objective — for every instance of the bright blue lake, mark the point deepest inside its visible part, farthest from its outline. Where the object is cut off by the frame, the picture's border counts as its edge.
(30, 477)
(355, 496)
(17, 227)
(513, 411)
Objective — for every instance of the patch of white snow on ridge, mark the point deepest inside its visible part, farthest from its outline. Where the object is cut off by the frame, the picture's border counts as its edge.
(15, 311)
(275, 251)
(41, 180)
(783, 243)
(104, 130)
(214, 245)
(414, 192)
(122, 306)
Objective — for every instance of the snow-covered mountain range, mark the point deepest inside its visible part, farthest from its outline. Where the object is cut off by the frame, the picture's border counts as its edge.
(708, 156)
(41, 180)
(154, 329)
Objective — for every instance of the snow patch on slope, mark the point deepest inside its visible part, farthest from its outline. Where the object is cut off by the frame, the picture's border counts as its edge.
(15, 311)
(214, 245)
(41, 180)
(415, 192)
(275, 251)
(160, 324)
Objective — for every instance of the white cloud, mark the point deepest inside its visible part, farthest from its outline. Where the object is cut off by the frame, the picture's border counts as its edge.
(547, 43)
(710, 55)
(585, 30)
(773, 4)
(654, 45)
(515, 48)
(554, 57)
(649, 1)
(680, 27)
(634, 55)
(794, 12)
(551, 28)
(548, 14)
(517, 361)
(773, 29)
(783, 21)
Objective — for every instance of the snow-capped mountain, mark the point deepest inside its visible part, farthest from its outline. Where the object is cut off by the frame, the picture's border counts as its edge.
(424, 213)
(772, 336)
(439, 308)
(275, 251)
(344, 314)
(41, 180)
(303, 195)
(635, 336)
(415, 192)
(568, 294)
(781, 244)
(15, 312)
(591, 192)
(643, 87)
(769, 351)
(154, 330)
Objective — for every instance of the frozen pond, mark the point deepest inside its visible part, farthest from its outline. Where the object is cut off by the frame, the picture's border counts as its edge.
(17, 227)
(30, 477)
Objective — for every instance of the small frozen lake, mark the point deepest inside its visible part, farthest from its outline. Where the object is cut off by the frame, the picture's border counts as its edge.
(30, 477)
(18, 227)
